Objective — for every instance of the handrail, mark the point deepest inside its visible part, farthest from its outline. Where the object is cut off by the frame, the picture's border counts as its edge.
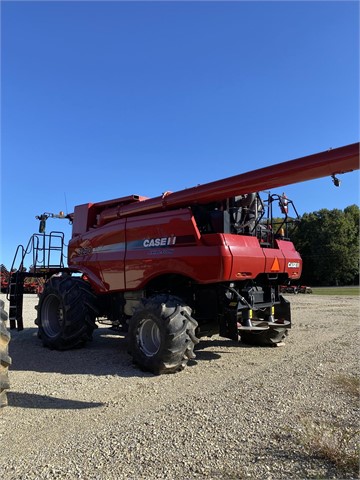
(41, 246)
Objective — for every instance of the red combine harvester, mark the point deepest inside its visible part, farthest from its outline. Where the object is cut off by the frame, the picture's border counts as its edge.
(171, 269)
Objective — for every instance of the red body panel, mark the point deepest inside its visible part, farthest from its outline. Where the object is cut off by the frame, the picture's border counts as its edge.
(248, 257)
(293, 261)
(100, 254)
(127, 254)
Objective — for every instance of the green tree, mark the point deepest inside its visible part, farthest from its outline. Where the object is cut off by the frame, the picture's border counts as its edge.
(328, 241)
(352, 214)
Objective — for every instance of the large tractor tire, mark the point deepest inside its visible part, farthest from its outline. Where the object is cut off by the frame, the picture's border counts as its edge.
(66, 313)
(5, 360)
(162, 335)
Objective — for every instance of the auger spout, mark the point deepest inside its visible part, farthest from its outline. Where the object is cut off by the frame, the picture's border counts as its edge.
(328, 163)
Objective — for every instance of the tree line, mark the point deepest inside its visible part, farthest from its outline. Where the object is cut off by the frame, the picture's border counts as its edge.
(328, 242)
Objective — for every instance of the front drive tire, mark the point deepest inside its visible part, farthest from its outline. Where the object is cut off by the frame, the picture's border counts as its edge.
(66, 313)
(5, 360)
(162, 335)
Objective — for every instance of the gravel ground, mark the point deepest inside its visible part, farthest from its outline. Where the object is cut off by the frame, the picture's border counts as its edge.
(236, 412)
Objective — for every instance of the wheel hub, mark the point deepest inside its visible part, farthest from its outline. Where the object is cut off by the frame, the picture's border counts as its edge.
(149, 337)
(52, 316)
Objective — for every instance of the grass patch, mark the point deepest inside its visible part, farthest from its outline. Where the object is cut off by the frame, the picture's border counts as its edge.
(337, 444)
(352, 291)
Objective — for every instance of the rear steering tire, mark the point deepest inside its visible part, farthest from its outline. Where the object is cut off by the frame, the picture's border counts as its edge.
(66, 313)
(267, 338)
(5, 360)
(162, 335)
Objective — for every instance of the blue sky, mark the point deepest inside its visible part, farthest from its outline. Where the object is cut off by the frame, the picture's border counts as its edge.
(106, 99)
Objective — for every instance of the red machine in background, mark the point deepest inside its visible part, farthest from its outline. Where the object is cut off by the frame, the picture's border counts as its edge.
(171, 269)
(31, 285)
(4, 278)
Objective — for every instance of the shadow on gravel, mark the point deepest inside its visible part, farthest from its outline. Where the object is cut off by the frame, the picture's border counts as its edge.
(221, 343)
(106, 355)
(31, 400)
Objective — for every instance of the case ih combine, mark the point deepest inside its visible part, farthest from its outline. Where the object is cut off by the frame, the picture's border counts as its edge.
(168, 270)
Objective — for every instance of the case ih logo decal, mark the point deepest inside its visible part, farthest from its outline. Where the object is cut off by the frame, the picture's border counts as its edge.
(83, 250)
(159, 242)
(293, 265)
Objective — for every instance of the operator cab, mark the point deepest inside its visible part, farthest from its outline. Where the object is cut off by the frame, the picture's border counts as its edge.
(248, 215)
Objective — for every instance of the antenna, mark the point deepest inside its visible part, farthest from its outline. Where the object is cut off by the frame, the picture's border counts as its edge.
(66, 207)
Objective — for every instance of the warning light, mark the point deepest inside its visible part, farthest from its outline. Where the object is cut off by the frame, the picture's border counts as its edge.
(283, 203)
